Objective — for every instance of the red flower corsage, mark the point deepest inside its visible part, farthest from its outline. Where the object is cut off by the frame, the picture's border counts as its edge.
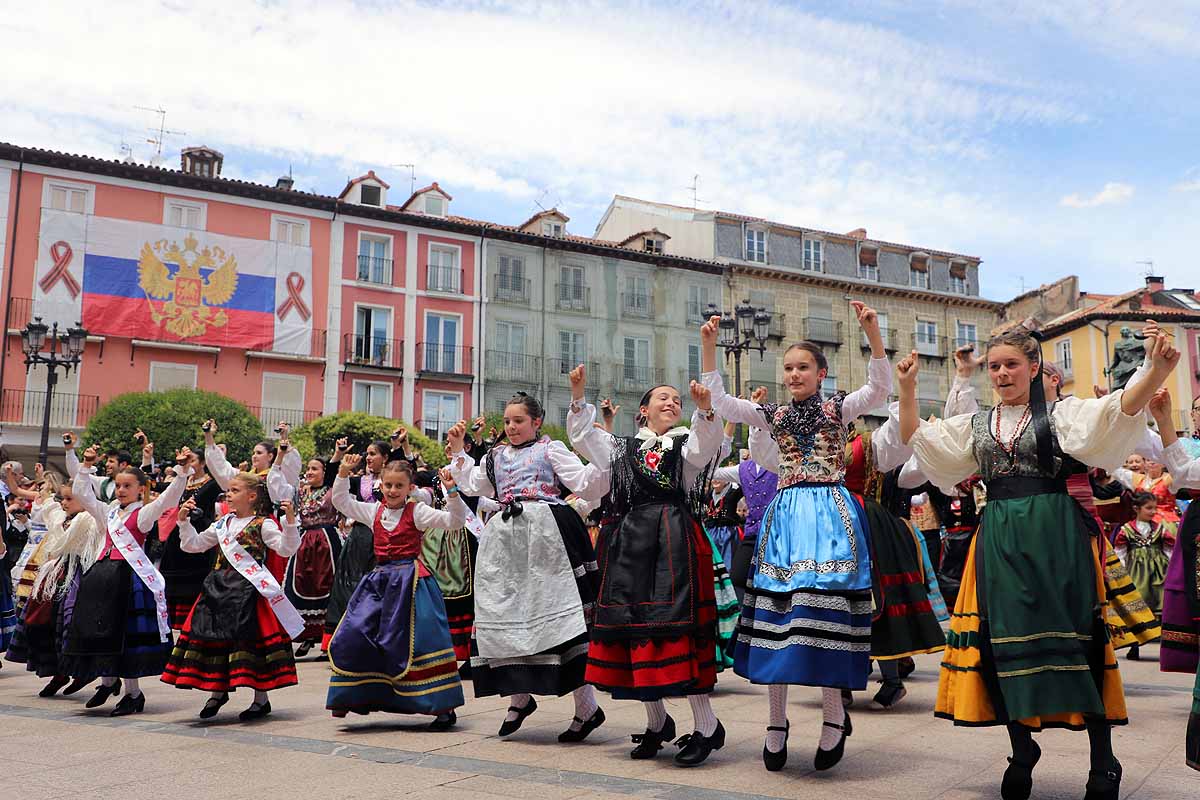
(652, 459)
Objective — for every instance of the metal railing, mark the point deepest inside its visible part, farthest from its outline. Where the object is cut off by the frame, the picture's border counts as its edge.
(891, 341)
(558, 370)
(931, 346)
(695, 311)
(20, 312)
(443, 279)
(507, 289)
(372, 351)
(634, 379)
(445, 359)
(572, 297)
(373, 269)
(637, 304)
(777, 328)
(513, 367)
(27, 408)
(823, 331)
(271, 416)
(435, 428)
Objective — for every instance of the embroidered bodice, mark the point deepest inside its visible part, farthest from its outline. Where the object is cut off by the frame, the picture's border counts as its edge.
(249, 537)
(811, 439)
(523, 473)
(315, 507)
(994, 462)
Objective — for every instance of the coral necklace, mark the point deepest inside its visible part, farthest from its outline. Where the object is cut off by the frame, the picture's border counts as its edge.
(1011, 446)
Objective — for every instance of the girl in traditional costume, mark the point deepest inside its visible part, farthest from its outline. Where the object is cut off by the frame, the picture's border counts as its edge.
(240, 631)
(535, 575)
(185, 572)
(655, 629)
(1039, 657)
(120, 629)
(311, 571)
(1144, 547)
(806, 614)
(392, 651)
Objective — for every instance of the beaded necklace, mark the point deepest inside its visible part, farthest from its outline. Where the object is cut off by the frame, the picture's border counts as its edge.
(1011, 447)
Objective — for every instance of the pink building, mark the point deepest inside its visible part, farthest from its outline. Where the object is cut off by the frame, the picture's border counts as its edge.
(293, 303)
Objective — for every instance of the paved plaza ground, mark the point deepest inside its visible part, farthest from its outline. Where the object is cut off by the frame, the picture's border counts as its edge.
(55, 748)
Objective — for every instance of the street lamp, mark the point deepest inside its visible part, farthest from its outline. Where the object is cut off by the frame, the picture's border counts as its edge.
(65, 352)
(746, 329)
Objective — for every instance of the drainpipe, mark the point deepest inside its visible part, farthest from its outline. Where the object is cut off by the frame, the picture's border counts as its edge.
(480, 324)
(12, 260)
(1104, 330)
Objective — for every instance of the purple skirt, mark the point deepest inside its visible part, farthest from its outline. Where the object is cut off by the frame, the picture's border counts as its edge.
(1180, 650)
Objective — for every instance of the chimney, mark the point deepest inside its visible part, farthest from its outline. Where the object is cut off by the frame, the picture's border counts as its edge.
(1154, 283)
(284, 182)
(201, 161)
(858, 233)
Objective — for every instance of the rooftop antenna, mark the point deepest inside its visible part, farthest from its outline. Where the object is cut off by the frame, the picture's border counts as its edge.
(695, 189)
(126, 152)
(160, 133)
(1022, 284)
(412, 176)
(1149, 265)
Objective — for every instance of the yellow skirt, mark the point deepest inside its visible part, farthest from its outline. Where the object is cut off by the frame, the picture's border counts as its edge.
(962, 694)
(1130, 621)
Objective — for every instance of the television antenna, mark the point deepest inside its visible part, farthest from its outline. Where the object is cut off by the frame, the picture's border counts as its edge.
(412, 176)
(160, 133)
(695, 190)
(1149, 265)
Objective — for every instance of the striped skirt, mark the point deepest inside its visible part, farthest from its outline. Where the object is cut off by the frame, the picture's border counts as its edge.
(310, 576)
(727, 609)
(1130, 621)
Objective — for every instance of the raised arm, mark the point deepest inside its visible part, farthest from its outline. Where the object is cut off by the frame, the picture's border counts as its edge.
(85, 491)
(1098, 432)
(194, 541)
(589, 441)
(347, 506)
(222, 471)
(169, 498)
(879, 372)
(1163, 358)
(727, 406)
(282, 537)
(704, 438)
(471, 478)
(587, 481)
(451, 518)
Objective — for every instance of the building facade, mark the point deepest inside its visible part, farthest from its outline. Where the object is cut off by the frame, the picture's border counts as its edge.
(928, 300)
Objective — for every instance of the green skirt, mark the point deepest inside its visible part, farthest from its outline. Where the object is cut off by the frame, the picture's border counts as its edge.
(727, 608)
(1148, 571)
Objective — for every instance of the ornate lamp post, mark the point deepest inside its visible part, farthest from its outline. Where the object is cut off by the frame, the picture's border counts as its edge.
(65, 351)
(743, 330)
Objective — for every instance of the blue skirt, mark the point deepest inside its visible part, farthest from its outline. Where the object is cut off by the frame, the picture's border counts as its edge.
(8, 613)
(392, 649)
(806, 614)
(725, 540)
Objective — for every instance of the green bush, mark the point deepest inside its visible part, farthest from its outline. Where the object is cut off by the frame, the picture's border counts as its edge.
(317, 437)
(172, 419)
(556, 432)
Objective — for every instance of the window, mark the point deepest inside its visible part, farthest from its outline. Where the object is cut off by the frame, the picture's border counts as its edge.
(756, 245)
(929, 386)
(375, 259)
(883, 332)
(370, 195)
(291, 231)
(511, 280)
(509, 355)
(868, 263)
(637, 295)
(927, 338)
(65, 197)
(1062, 354)
(571, 290)
(182, 214)
(552, 229)
(829, 387)
(813, 257)
(282, 399)
(637, 359)
(1188, 300)
(441, 411)
(572, 350)
(371, 340)
(373, 398)
(868, 272)
(435, 205)
(918, 278)
(693, 361)
(697, 303)
(965, 334)
(652, 245)
(442, 274)
(167, 375)
(441, 343)
(958, 284)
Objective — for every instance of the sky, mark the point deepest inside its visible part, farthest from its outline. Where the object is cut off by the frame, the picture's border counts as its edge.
(1047, 138)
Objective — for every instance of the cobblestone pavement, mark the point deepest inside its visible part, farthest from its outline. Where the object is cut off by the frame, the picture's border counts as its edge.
(55, 748)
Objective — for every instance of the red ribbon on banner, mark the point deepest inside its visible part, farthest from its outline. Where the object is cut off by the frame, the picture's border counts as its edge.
(295, 285)
(61, 254)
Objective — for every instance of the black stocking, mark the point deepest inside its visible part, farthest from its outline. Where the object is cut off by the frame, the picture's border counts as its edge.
(1100, 738)
(1021, 738)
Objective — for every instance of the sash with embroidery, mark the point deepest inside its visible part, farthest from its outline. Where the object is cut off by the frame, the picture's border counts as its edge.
(259, 577)
(135, 557)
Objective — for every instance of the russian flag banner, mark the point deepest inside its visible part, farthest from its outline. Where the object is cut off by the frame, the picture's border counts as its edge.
(147, 281)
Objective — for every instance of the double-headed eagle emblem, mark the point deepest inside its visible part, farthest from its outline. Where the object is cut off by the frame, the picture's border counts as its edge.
(190, 295)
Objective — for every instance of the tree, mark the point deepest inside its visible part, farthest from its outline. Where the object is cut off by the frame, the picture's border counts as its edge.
(172, 419)
(496, 420)
(317, 437)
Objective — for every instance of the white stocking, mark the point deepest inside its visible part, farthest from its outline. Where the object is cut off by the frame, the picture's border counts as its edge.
(131, 687)
(833, 711)
(585, 705)
(656, 715)
(516, 701)
(777, 696)
(260, 697)
(702, 714)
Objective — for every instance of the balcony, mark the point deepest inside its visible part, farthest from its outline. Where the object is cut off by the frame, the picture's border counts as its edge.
(294, 417)
(695, 312)
(454, 362)
(931, 407)
(891, 341)
(448, 280)
(777, 329)
(516, 368)
(375, 270)
(507, 289)
(637, 305)
(20, 312)
(558, 369)
(573, 297)
(930, 346)
(27, 408)
(359, 350)
(823, 331)
(631, 379)
(435, 429)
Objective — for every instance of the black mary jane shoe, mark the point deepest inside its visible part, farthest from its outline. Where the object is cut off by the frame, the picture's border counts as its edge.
(509, 727)
(1106, 784)
(129, 705)
(75, 686)
(906, 667)
(650, 742)
(304, 649)
(1018, 778)
(56, 683)
(444, 722)
(102, 694)
(696, 747)
(585, 727)
(255, 711)
(213, 706)
(827, 759)
(775, 761)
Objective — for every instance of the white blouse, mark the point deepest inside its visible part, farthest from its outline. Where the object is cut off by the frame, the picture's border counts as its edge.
(82, 489)
(282, 479)
(1185, 470)
(283, 538)
(425, 517)
(581, 479)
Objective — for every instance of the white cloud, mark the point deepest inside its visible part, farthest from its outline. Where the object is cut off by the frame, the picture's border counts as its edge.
(1113, 193)
(1190, 182)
